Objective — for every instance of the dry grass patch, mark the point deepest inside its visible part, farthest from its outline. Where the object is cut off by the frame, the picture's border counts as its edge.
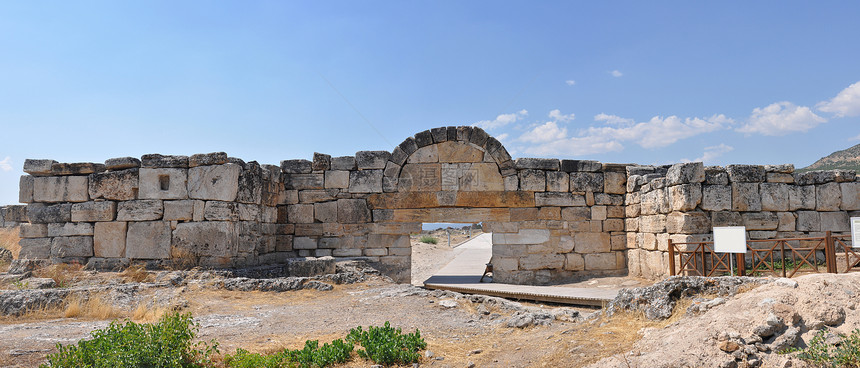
(135, 273)
(148, 314)
(92, 307)
(9, 240)
(64, 274)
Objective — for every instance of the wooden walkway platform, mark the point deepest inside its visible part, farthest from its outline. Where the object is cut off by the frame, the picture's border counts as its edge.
(464, 272)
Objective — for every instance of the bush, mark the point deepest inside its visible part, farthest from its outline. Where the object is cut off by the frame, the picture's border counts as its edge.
(311, 356)
(386, 345)
(167, 343)
(845, 354)
(428, 239)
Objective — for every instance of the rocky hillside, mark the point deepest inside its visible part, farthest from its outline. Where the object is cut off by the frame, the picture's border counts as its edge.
(845, 159)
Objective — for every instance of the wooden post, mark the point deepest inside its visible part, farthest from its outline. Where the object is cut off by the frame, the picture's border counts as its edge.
(830, 252)
(742, 268)
(671, 258)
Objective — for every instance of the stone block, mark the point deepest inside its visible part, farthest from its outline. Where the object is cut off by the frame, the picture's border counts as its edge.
(512, 182)
(258, 184)
(35, 248)
(148, 240)
(558, 199)
(220, 211)
(787, 221)
(726, 218)
(478, 137)
(532, 180)
(801, 197)
(715, 175)
(602, 262)
(182, 210)
(321, 162)
(685, 173)
(835, 221)
(685, 197)
(27, 231)
(843, 176)
(109, 239)
(314, 196)
(163, 183)
(580, 166)
(542, 261)
(216, 182)
(575, 213)
(206, 159)
(121, 163)
(774, 196)
(688, 223)
(631, 224)
(25, 189)
(70, 229)
(371, 159)
(419, 178)
(77, 168)
(850, 196)
(365, 181)
(352, 211)
(458, 152)
(614, 183)
(652, 223)
(336, 179)
(808, 221)
(303, 242)
(549, 213)
(93, 211)
(207, 239)
(598, 213)
(296, 166)
(40, 213)
(760, 220)
(828, 197)
(586, 182)
(38, 167)
(140, 210)
(248, 212)
(522, 237)
(780, 178)
(613, 225)
(72, 246)
(199, 211)
(591, 242)
(557, 181)
(325, 211)
(537, 163)
(120, 185)
(428, 154)
(304, 181)
(745, 196)
(343, 163)
(746, 173)
(164, 161)
(52, 189)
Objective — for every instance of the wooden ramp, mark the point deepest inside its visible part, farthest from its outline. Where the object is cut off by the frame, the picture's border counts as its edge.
(464, 272)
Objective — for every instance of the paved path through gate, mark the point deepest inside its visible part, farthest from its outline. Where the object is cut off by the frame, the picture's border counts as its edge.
(463, 274)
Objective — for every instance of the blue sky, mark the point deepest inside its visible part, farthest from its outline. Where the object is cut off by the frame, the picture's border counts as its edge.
(648, 82)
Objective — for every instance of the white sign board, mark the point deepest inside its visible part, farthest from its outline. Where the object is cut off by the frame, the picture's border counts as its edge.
(855, 232)
(730, 239)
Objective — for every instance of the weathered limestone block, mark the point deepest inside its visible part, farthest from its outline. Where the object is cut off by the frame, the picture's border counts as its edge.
(428, 154)
(760, 220)
(419, 178)
(120, 163)
(685, 197)
(321, 162)
(787, 221)
(808, 221)
(801, 197)
(365, 181)
(745, 196)
(780, 178)
(304, 181)
(255, 180)
(182, 210)
(352, 211)
(542, 261)
(248, 212)
(205, 159)
(77, 168)
(688, 222)
(93, 211)
(163, 183)
(343, 163)
(574, 213)
(532, 180)
(371, 159)
(38, 167)
(774, 197)
(781, 169)
(72, 246)
(457, 152)
(537, 163)
(828, 197)
(843, 176)
(613, 224)
(325, 211)
(598, 213)
(557, 181)
(336, 179)
(35, 248)
(850, 196)
(614, 183)
(715, 175)
(558, 199)
(586, 182)
(512, 182)
(523, 236)
(651, 202)
(303, 242)
(314, 196)
(70, 229)
(27, 231)
(199, 211)
(109, 239)
(684, 173)
(205, 239)
(40, 213)
(148, 240)
(591, 242)
(761, 234)
(216, 182)
(746, 173)
(726, 218)
(835, 221)
(580, 166)
(602, 262)
(164, 161)
(652, 224)
(140, 210)
(608, 199)
(60, 189)
(220, 211)
(296, 166)
(549, 213)
(114, 185)
(25, 189)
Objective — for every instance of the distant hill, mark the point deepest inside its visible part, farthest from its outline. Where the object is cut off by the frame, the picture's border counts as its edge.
(848, 158)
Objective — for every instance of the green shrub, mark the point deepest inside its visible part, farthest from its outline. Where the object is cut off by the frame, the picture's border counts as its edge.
(845, 354)
(428, 239)
(386, 345)
(311, 356)
(167, 343)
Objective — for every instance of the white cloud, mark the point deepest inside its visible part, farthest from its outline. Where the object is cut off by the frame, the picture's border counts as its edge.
(857, 138)
(570, 82)
(502, 120)
(616, 73)
(6, 164)
(659, 131)
(711, 153)
(575, 146)
(502, 137)
(556, 115)
(781, 118)
(846, 103)
(546, 132)
(613, 119)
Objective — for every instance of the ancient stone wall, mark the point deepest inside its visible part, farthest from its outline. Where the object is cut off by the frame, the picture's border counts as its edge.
(551, 219)
(12, 216)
